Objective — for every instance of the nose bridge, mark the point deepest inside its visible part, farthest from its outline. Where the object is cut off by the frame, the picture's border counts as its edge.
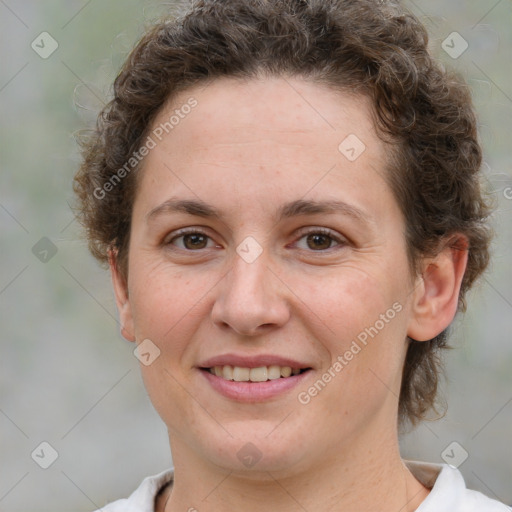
(249, 297)
(249, 275)
(250, 266)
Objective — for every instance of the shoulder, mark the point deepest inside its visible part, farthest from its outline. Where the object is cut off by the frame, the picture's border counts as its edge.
(143, 498)
(449, 492)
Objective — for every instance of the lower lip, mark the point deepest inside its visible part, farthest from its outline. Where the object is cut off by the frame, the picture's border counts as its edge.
(253, 391)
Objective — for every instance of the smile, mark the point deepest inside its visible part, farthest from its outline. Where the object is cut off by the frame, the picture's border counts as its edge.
(252, 385)
(260, 374)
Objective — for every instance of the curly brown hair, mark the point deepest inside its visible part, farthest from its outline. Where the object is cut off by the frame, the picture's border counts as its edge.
(369, 47)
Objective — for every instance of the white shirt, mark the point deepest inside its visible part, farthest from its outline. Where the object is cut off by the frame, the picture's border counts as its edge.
(448, 492)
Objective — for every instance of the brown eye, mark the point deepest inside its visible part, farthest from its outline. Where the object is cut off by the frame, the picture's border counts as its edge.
(190, 241)
(195, 241)
(319, 241)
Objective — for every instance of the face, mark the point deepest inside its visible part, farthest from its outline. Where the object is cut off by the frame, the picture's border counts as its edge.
(263, 236)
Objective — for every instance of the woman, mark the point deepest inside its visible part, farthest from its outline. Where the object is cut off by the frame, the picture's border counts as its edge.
(287, 195)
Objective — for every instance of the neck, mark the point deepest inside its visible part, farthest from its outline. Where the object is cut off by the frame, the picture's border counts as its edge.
(361, 477)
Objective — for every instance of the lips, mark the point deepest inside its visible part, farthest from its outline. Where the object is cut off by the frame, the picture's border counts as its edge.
(253, 378)
(243, 361)
(253, 368)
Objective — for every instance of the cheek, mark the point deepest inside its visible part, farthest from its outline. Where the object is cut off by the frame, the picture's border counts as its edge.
(361, 318)
(162, 298)
(362, 329)
(349, 300)
(167, 307)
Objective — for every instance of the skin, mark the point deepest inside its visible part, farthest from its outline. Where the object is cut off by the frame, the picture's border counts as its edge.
(247, 148)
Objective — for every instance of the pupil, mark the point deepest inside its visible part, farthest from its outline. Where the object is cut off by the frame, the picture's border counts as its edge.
(317, 241)
(195, 240)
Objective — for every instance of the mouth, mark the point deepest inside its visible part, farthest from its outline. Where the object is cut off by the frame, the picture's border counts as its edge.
(253, 378)
(259, 374)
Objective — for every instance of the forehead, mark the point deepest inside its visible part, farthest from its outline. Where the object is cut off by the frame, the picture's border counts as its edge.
(264, 134)
(239, 109)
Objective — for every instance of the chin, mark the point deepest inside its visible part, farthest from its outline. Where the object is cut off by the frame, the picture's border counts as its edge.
(252, 451)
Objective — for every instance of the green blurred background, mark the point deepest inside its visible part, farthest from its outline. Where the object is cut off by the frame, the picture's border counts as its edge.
(66, 375)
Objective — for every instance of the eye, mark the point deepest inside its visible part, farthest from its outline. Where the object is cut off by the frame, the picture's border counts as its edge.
(317, 239)
(320, 239)
(190, 240)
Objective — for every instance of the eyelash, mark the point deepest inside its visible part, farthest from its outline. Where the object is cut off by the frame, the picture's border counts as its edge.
(341, 242)
(315, 231)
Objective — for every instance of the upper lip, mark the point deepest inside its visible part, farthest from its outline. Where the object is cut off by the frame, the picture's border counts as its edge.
(244, 361)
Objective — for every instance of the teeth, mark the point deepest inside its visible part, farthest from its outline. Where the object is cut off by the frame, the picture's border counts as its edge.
(227, 372)
(258, 374)
(241, 374)
(286, 371)
(274, 372)
(261, 374)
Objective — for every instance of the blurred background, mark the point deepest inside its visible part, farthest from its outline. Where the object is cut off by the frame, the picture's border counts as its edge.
(67, 378)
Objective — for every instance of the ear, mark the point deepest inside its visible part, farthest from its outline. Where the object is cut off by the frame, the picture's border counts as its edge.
(122, 299)
(436, 295)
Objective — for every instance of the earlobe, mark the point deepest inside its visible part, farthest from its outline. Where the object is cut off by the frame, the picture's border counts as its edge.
(122, 297)
(436, 296)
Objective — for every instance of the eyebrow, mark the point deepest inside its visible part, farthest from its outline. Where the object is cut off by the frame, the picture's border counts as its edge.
(295, 208)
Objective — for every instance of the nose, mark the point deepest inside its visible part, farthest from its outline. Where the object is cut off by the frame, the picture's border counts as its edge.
(251, 298)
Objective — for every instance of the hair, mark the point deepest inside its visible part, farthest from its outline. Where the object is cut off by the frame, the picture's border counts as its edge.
(373, 48)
